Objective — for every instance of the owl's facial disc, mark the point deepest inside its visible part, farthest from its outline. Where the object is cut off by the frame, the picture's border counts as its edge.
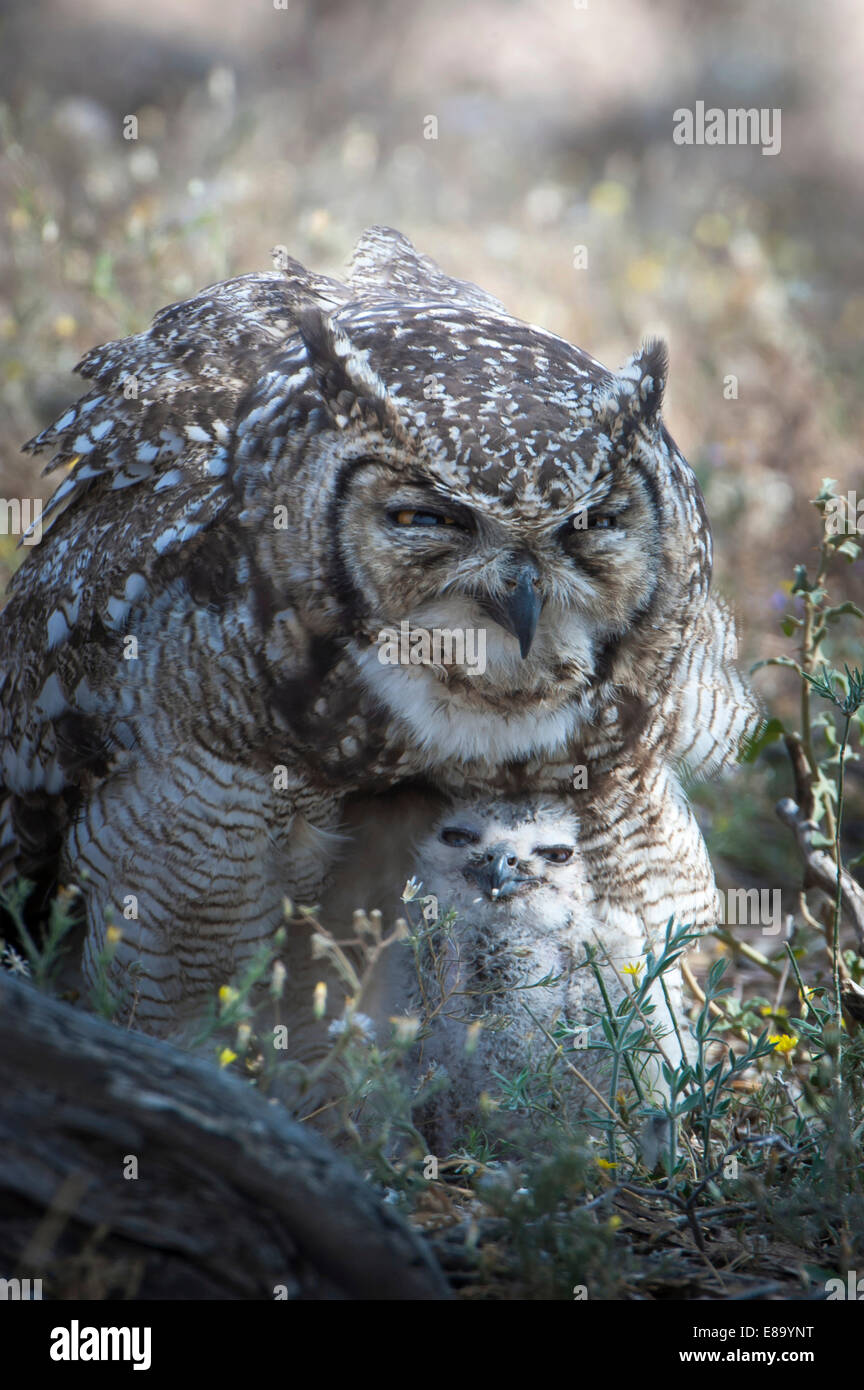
(537, 595)
(505, 869)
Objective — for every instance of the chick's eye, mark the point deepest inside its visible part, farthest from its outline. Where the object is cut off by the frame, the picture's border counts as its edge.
(555, 854)
(458, 837)
(415, 517)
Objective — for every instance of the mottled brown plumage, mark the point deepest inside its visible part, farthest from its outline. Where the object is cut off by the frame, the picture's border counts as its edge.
(257, 486)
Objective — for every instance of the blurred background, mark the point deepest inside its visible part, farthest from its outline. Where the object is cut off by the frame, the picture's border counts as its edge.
(552, 180)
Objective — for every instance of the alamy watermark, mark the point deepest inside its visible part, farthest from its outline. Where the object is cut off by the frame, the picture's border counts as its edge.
(844, 516)
(19, 1290)
(737, 126)
(22, 516)
(751, 907)
(77, 1343)
(852, 1288)
(437, 646)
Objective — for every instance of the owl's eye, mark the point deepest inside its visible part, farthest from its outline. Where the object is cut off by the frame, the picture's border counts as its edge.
(555, 854)
(457, 836)
(416, 517)
(600, 522)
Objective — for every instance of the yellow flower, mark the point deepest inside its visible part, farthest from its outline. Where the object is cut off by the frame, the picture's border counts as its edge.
(113, 935)
(227, 996)
(319, 999)
(783, 1043)
(226, 1057)
(633, 970)
(605, 1163)
(614, 1223)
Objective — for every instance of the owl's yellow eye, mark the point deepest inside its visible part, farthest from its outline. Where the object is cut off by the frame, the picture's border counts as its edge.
(421, 518)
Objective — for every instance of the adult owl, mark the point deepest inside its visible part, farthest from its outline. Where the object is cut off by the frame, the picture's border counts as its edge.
(255, 488)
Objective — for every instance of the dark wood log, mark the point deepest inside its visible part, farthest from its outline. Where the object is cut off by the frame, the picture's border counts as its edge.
(232, 1199)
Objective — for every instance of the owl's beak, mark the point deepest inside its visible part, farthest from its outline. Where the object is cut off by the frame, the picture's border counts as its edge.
(519, 610)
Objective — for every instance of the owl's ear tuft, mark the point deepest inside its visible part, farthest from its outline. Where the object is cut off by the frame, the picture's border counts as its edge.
(349, 386)
(640, 384)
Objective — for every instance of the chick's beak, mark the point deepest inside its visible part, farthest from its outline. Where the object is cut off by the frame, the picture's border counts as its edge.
(497, 873)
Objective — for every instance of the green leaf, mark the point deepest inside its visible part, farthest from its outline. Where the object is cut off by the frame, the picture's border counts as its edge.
(821, 841)
(769, 733)
(689, 1103)
(801, 584)
(777, 661)
(839, 610)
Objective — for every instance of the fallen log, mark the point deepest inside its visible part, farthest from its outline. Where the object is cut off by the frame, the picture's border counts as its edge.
(131, 1169)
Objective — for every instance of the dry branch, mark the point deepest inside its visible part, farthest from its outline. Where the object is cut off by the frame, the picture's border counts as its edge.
(820, 869)
(232, 1198)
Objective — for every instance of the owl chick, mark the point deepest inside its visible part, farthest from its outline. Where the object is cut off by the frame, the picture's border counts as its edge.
(513, 967)
(255, 489)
